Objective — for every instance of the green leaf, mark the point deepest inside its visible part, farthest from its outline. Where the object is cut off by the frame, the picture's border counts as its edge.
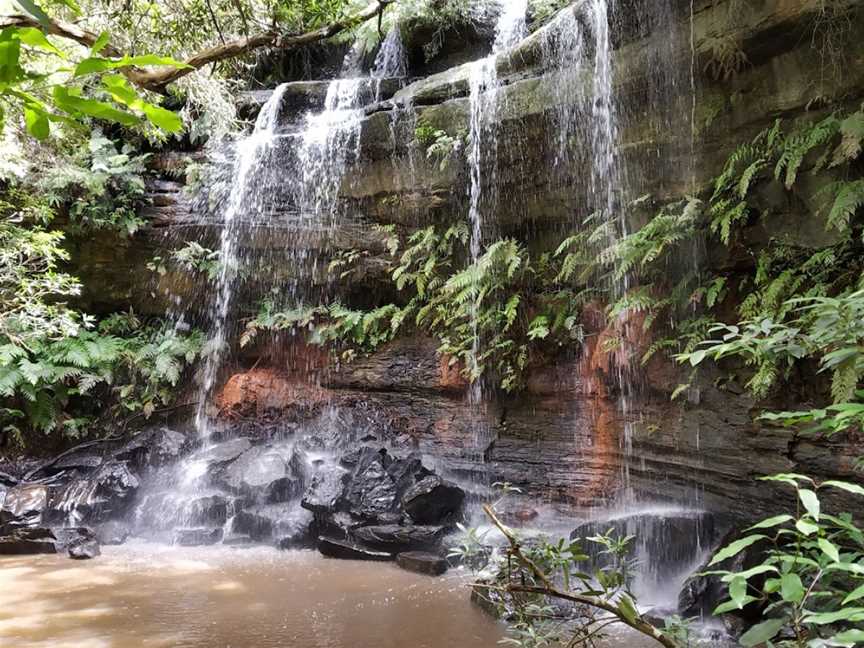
(854, 595)
(851, 488)
(73, 104)
(36, 38)
(36, 122)
(627, 608)
(847, 638)
(734, 548)
(771, 522)
(761, 632)
(846, 614)
(36, 11)
(807, 528)
(100, 43)
(791, 588)
(738, 591)
(810, 501)
(96, 64)
(162, 118)
(829, 549)
(729, 606)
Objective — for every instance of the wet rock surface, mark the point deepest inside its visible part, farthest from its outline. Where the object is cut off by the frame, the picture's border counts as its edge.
(24, 541)
(422, 562)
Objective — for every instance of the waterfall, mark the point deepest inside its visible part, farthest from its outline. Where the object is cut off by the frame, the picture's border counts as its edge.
(510, 28)
(246, 198)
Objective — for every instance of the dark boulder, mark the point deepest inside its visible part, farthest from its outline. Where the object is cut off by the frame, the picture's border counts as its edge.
(220, 454)
(78, 542)
(422, 562)
(334, 525)
(104, 494)
(433, 500)
(153, 447)
(407, 472)
(112, 532)
(25, 541)
(211, 510)
(265, 473)
(257, 527)
(325, 488)
(23, 505)
(396, 538)
(371, 491)
(344, 550)
(84, 550)
(197, 537)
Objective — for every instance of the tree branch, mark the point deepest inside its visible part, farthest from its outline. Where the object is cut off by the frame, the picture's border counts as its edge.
(549, 589)
(156, 80)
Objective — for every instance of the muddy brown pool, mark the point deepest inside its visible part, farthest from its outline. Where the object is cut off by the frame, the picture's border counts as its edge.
(217, 597)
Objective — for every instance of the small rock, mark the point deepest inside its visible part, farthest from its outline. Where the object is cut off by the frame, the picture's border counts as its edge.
(197, 537)
(422, 562)
(348, 551)
(391, 537)
(112, 533)
(84, 550)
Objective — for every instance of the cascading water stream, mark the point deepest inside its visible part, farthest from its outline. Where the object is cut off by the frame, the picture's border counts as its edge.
(510, 28)
(245, 198)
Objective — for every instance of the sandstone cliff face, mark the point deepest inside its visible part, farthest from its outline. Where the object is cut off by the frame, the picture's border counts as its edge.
(571, 438)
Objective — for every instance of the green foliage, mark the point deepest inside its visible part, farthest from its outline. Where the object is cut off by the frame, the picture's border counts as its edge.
(42, 83)
(440, 146)
(489, 316)
(810, 579)
(102, 187)
(193, 258)
(124, 364)
(829, 329)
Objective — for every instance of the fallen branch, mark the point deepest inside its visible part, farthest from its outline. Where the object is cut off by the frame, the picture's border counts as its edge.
(157, 80)
(548, 588)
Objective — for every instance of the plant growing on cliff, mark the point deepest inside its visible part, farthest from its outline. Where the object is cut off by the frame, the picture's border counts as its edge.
(102, 187)
(811, 576)
(489, 316)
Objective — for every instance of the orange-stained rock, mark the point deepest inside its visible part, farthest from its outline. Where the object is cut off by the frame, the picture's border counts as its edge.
(268, 393)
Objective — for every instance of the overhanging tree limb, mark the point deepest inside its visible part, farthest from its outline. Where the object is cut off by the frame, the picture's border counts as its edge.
(156, 80)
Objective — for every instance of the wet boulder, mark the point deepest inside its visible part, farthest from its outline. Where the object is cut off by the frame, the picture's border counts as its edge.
(197, 537)
(267, 474)
(106, 493)
(26, 541)
(209, 510)
(24, 505)
(407, 472)
(153, 447)
(79, 543)
(112, 532)
(396, 538)
(371, 490)
(258, 527)
(433, 500)
(422, 562)
(669, 538)
(325, 488)
(222, 453)
(345, 550)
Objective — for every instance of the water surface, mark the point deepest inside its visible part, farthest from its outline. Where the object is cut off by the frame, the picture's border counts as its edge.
(218, 597)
